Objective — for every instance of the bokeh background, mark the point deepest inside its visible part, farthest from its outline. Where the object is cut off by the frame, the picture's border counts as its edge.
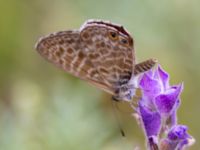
(44, 108)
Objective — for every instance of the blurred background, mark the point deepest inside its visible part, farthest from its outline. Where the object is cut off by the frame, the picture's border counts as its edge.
(44, 108)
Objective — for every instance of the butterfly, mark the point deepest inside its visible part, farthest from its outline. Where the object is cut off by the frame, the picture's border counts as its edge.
(100, 52)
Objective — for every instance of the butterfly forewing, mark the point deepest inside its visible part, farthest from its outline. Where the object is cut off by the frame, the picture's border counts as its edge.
(107, 52)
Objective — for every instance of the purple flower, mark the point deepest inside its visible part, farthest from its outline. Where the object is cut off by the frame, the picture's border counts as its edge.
(177, 138)
(157, 111)
(178, 132)
(151, 121)
(159, 96)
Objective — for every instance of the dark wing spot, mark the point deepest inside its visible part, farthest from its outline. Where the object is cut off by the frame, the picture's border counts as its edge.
(61, 41)
(97, 45)
(93, 56)
(103, 51)
(81, 55)
(70, 50)
(103, 70)
(102, 44)
(61, 50)
(58, 54)
(70, 41)
(85, 35)
(93, 73)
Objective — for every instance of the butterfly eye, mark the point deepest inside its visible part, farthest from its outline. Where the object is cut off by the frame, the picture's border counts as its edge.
(124, 42)
(113, 35)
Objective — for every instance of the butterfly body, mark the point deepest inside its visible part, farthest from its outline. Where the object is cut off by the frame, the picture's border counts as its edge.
(99, 52)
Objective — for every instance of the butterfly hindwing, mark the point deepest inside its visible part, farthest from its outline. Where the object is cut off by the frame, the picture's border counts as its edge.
(66, 50)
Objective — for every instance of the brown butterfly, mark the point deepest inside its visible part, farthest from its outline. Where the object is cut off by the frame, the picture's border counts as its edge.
(100, 52)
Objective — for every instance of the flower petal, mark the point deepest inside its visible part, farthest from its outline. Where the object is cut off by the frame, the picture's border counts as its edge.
(172, 119)
(151, 121)
(149, 86)
(164, 77)
(178, 132)
(167, 102)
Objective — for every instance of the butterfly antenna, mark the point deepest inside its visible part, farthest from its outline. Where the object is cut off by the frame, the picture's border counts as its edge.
(117, 118)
